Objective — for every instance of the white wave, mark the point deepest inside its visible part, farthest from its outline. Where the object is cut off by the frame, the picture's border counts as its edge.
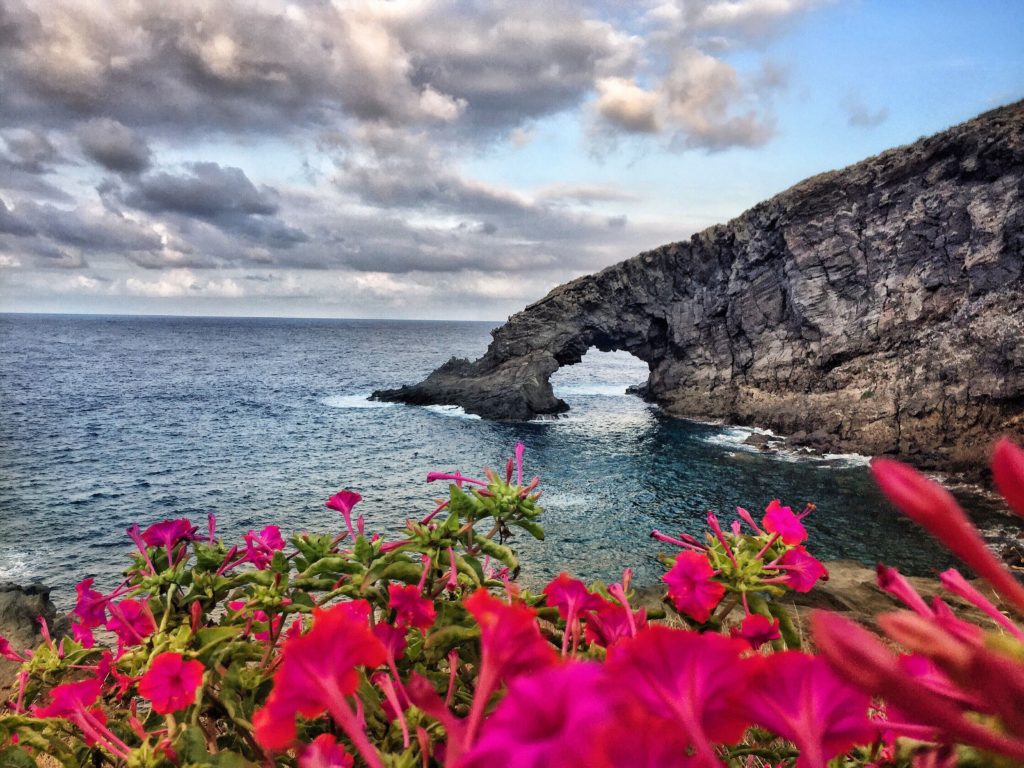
(456, 411)
(734, 438)
(354, 401)
(14, 567)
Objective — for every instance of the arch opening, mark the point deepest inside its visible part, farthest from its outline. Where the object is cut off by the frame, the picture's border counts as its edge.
(599, 374)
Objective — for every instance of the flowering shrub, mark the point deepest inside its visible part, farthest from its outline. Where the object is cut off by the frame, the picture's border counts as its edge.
(349, 649)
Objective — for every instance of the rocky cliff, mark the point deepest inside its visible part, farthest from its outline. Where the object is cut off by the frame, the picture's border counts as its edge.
(879, 309)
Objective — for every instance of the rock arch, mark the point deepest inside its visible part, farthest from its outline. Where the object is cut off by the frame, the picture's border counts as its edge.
(878, 309)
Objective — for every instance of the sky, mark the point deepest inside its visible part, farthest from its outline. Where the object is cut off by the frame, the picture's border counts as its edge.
(436, 159)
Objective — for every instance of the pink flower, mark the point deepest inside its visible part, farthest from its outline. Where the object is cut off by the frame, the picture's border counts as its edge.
(611, 624)
(7, 652)
(1008, 473)
(70, 697)
(131, 620)
(168, 533)
(343, 501)
(91, 605)
(510, 645)
(317, 672)
(325, 752)
(861, 659)
(953, 581)
(544, 719)
(171, 682)
(685, 682)
(82, 635)
(572, 598)
(781, 520)
(801, 699)
(892, 581)
(260, 547)
(691, 586)
(757, 630)
(930, 505)
(801, 569)
(412, 609)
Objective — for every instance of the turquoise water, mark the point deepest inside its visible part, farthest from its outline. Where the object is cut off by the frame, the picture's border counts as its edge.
(111, 420)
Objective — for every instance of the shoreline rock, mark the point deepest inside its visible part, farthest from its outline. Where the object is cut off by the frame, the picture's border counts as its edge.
(876, 310)
(20, 609)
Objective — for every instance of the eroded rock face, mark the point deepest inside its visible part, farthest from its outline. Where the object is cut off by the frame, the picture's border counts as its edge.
(879, 308)
(20, 610)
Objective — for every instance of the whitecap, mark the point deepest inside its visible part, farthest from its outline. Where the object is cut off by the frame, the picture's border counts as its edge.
(14, 567)
(354, 401)
(456, 411)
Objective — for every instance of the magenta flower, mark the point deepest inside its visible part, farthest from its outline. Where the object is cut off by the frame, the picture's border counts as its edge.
(930, 505)
(894, 583)
(544, 719)
(801, 569)
(685, 682)
(953, 581)
(860, 658)
(611, 624)
(260, 547)
(168, 533)
(317, 673)
(325, 752)
(131, 620)
(412, 609)
(91, 605)
(781, 520)
(82, 634)
(7, 652)
(343, 501)
(757, 630)
(798, 697)
(572, 598)
(70, 697)
(510, 645)
(691, 586)
(171, 682)
(1008, 473)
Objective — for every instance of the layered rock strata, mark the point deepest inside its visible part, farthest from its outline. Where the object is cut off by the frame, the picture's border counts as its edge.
(876, 309)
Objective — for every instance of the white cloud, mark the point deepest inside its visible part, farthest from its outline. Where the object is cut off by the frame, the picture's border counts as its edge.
(183, 282)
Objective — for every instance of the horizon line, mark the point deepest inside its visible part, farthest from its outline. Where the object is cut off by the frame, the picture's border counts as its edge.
(245, 317)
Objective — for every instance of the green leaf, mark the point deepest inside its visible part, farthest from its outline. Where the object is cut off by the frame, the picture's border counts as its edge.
(448, 637)
(16, 757)
(498, 551)
(532, 528)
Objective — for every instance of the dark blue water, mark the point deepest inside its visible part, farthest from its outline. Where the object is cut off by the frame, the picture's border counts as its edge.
(109, 420)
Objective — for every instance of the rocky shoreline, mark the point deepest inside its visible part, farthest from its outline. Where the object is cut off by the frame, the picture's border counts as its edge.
(875, 310)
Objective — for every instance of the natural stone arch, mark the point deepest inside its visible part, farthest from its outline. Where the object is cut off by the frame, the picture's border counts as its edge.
(878, 309)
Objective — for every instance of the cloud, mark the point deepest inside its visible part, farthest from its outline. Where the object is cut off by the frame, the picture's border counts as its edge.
(114, 146)
(624, 104)
(860, 115)
(183, 282)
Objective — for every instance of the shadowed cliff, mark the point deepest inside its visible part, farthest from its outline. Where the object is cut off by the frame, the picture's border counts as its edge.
(877, 309)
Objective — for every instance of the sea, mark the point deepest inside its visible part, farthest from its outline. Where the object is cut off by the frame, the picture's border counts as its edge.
(107, 421)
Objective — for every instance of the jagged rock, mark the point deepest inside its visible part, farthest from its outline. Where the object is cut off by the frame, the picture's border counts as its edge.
(878, 309)
(20, 609)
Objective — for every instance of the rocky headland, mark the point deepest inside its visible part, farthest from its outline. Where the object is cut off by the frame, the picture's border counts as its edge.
(877, 309)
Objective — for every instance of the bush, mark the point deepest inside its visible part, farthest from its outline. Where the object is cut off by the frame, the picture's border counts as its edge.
(332, 650)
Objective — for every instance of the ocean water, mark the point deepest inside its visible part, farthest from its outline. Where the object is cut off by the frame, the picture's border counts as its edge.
(105, 421)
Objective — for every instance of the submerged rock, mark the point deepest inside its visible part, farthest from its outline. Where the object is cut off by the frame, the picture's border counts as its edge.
(878, 309)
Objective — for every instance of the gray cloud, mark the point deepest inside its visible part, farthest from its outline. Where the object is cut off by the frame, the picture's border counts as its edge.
(114, 146)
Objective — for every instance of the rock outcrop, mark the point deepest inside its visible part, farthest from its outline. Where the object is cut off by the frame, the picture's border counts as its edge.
(877, 309)
(20, 610)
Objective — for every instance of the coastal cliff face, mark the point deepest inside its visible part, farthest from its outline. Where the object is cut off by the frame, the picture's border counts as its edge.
(877, 309)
